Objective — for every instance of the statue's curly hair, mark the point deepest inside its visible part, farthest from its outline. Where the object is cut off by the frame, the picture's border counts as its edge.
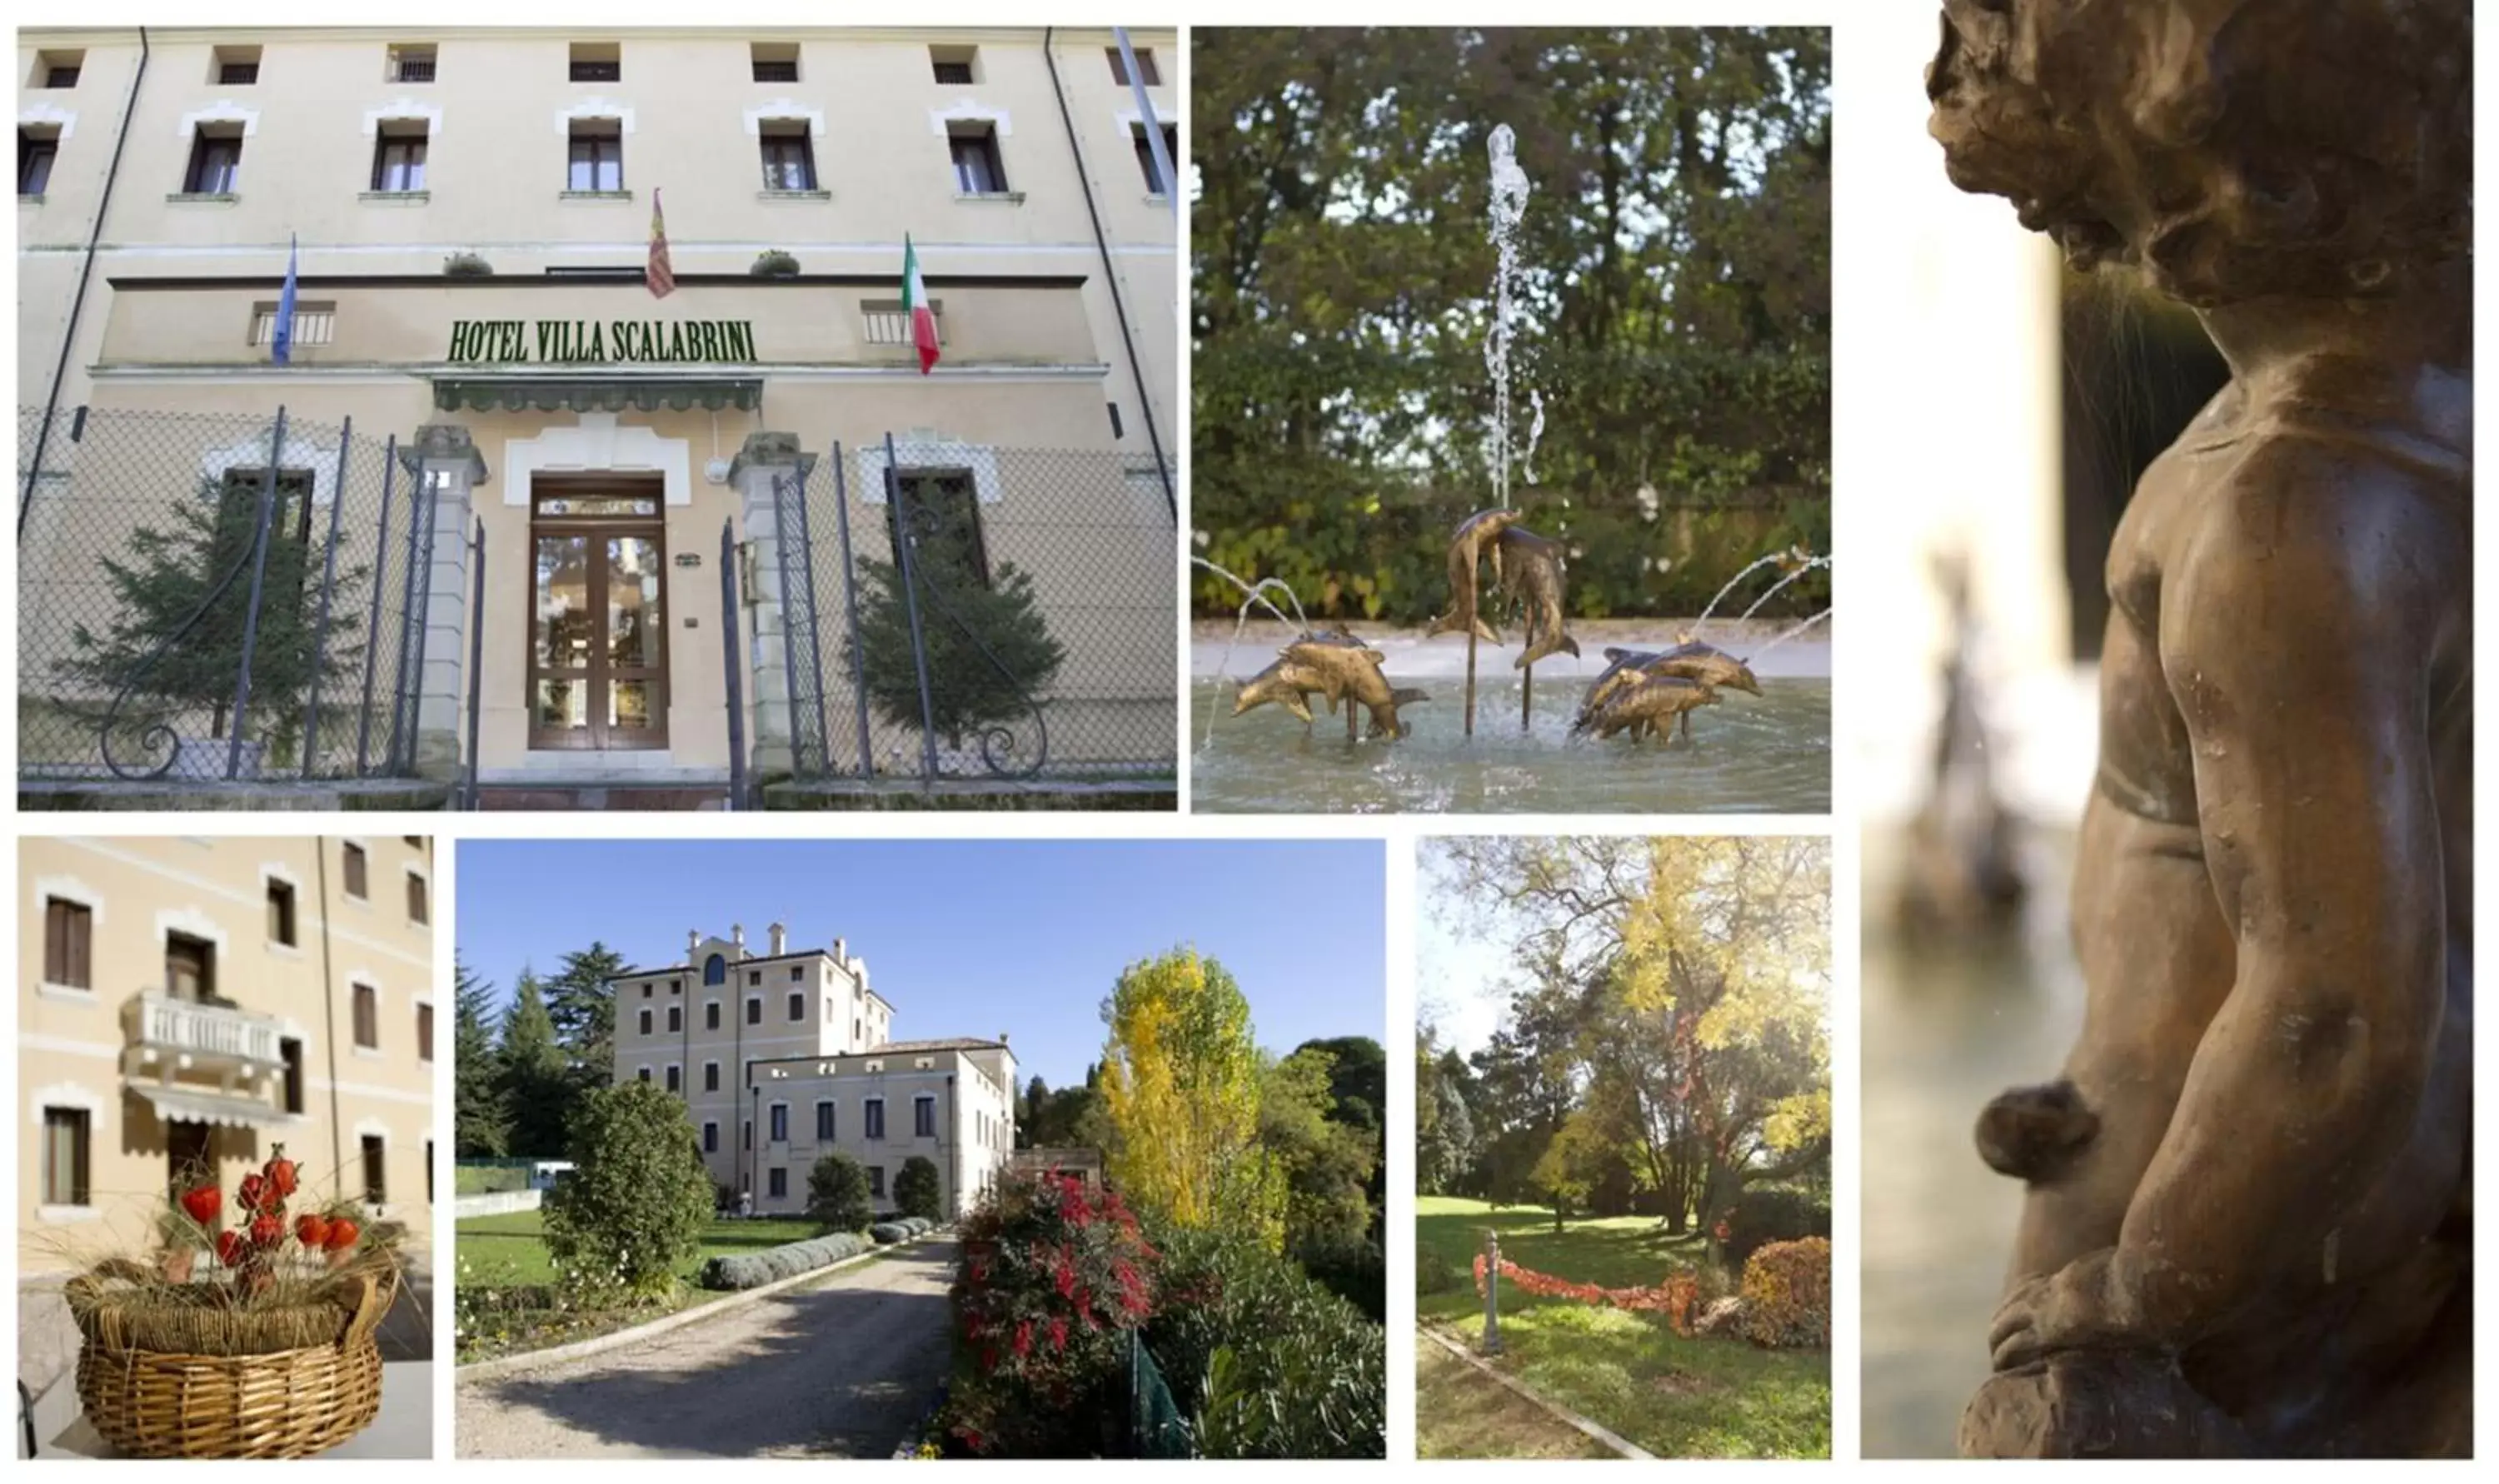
(2232, 148)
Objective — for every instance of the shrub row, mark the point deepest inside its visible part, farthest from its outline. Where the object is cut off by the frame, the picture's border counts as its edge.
(1767, 1213)
(900, 1228)
(753, 1270)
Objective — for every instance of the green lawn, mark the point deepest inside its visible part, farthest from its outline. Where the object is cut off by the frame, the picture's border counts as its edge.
(1677, 1398)
(1462, 1414)
(507, 1249)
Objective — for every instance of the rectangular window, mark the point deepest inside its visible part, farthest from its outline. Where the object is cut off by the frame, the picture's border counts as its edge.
(874, 1117)
(409, 64)
(398, 159)
(65, 1151)
(291, 1051)
(923, 1118)
(797, 1006)
(711, 1138)
(597, 62)
(780, 1123)
(235, 66)
(1146, 71)
(598, 156)
(789, 161)
(35, 155)
(674, 1079)
(950, 551)
(711, 1015)
(754, 1010)
(977, 170)
(824, 1122)
(69, 929)
(876, 1181)
(746, 1133)
(217, 160)
(281, 913)
(954, 66)
(643, 1024)
(419, 909)
(755, 975)
(711, 1077)
(776, 1182)
(773, 61)
(798, 972)
(190, 969)
(641, 1074)
(1146, 156)
(57, 69)
(376, 1186)
(425, 1033)
(367, 1016)
(351, 866)
(676, 1019)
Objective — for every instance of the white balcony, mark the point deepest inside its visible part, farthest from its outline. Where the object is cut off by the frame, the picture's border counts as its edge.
(203, 1063)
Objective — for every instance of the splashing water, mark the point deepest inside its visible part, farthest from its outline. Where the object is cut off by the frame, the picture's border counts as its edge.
(1255, 596)
(1757, 562)
(1509, 205)
(1534, 433)
(1790, 634)
(1782, 582)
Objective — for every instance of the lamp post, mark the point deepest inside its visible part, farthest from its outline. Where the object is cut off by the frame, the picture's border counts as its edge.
(1492, 1292)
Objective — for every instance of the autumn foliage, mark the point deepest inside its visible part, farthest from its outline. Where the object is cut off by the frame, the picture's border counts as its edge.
(1787, 1294)
(1675, 1298)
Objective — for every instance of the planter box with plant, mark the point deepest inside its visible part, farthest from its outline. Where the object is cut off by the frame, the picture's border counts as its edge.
(773, 263)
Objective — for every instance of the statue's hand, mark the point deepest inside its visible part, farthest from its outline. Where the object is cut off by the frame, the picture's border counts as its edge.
(2083, 1305)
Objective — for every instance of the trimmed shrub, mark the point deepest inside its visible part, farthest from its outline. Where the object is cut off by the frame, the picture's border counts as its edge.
(885, 1232)
(1767, 1213)
(915, 1187)
(1787, 1295)
(1053, 1278)
(637, 1197)
(753, 1270)
(1265, 1362)
(837, 1194)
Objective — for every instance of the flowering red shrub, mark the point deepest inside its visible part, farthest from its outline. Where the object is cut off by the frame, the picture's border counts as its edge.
(1675, 1298)
(1052, 1276)
(1787, 1294)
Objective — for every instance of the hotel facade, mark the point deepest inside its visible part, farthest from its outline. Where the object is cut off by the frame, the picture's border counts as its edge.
(469, 213)
(189, 1005)
(784, 1057)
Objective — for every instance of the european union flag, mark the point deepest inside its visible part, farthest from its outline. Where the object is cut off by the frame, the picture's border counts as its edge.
(282, 339)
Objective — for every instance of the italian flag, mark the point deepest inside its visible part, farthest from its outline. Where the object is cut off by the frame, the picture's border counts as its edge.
(915, 303)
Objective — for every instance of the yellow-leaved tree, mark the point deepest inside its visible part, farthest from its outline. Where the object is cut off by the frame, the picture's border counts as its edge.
(1180, 1082)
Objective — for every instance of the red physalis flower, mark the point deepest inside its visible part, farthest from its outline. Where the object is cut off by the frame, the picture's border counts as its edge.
(281, 1172)
(203, 1203)
(228, 1247)
(267, 1230)
(312, 1230)
(249, 1192)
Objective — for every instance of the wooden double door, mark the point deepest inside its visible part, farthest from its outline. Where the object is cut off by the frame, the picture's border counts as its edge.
(598, 620)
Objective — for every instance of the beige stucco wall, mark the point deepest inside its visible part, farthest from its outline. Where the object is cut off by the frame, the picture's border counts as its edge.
(972, 1146)
(71, 1043)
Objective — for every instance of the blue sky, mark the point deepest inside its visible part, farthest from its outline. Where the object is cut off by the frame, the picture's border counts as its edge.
(966, 938)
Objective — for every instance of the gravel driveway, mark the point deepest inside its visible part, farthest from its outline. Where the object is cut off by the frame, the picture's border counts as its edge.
(836, 1370)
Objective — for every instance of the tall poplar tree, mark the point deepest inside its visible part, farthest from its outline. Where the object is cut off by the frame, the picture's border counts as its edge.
(1180, 1082)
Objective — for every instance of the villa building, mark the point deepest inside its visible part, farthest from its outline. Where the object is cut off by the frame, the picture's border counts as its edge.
(471, 214)
(191, 1004)
(784, 1056)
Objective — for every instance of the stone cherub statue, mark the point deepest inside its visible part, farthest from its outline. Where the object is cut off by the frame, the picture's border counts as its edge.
(2247, 1229)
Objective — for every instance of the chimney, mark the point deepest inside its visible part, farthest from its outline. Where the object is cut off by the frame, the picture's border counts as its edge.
(1002, 1038)
(841, 953)
(737, 935)
(780, 940)
(694, 940)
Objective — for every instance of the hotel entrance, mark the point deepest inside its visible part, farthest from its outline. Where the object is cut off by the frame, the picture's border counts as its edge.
(596, 618)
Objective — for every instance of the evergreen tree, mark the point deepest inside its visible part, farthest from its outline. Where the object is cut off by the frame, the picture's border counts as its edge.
(967, 690)
(837, 1194)
(164, 575)
(582, 1004)
(915, 1187)
(536, 1091)
(482, 1125)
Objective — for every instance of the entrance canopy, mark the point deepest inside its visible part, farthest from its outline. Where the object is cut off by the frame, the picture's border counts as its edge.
(187, 1104)
(596, 393)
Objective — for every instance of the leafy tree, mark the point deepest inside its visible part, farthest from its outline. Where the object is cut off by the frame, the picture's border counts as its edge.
(164, 576)
(1326, 1165)
(582, 1004)
(1181, 1085)
(915, 1187)
(837, 1194)
(1673, 309)
(637, 1197)
(1444, 1131)
(481, 1123)
(973, 683)
(535, 1090)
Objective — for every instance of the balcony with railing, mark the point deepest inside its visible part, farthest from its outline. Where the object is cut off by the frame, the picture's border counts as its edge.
(202, 1062)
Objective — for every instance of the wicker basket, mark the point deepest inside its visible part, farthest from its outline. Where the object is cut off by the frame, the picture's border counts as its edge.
(280, 1403)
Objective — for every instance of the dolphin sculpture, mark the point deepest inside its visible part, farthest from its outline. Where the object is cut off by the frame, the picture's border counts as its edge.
(1647, 706)
(1473, 539)
(1534, 577)
(1351, 670)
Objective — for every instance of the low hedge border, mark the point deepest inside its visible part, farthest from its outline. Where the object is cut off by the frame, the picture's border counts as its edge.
(753, 1270)
(899, 1230)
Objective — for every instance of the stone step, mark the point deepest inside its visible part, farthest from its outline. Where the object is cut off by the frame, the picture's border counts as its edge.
(603, 795)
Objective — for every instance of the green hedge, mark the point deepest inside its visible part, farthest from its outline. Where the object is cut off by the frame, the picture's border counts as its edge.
(753, 1270)
(900, 1229)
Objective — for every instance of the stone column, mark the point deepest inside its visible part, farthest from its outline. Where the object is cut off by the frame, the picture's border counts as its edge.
(445, 466)
(764, 458)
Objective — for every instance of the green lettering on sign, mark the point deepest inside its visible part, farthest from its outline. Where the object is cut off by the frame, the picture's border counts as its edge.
(588, 342)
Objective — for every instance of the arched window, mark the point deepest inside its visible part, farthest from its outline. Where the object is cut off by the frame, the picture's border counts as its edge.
(715, 970)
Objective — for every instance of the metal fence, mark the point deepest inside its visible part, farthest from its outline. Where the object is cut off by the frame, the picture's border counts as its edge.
(978, 612)
(215, 597)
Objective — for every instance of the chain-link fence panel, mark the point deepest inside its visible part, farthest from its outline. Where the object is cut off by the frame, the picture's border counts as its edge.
(990, 612)
(197, 599)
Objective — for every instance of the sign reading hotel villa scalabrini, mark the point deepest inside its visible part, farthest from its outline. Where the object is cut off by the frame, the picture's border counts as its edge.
(595, 342)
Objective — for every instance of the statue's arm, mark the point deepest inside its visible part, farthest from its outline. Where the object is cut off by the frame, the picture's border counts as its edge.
(2295, 637)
